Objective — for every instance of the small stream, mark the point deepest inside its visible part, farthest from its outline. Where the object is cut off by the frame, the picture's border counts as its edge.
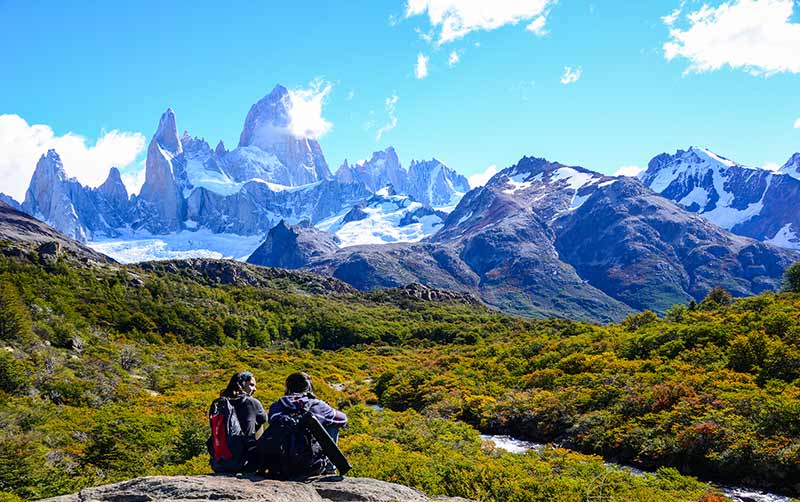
(737, 494)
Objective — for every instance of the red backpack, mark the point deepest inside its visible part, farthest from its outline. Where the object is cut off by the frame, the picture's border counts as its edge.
(227, 445)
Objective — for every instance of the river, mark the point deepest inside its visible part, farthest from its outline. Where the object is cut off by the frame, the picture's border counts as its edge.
(735, 493)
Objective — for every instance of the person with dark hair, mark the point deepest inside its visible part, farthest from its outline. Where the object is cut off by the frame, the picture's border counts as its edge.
(240, 429)
(299, 398)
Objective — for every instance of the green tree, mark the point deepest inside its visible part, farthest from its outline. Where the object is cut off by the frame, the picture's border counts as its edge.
(791, 278)
(15, 322)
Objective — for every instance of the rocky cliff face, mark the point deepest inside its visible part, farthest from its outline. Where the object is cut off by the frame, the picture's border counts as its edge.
(213, 488)
(78, 211)
(747, 201)
(268, 127)
(160, 203)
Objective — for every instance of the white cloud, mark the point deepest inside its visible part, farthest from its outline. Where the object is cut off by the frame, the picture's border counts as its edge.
(480, 179)
(391, 102)
(670, 19)
(133, 177)
(421, 68)
(351, 95)
(631, 171)
(771, 166)
(22, 144)
(797, 124)
(571, 76)
(754, 35)
(457, 18)
(537, 26)
(453, 59)
(305, 114)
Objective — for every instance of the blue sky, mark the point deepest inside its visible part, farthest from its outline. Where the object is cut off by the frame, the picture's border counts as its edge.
(96, 77)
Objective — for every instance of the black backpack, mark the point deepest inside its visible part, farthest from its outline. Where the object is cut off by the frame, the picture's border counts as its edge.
(227, 446)
(290, 450)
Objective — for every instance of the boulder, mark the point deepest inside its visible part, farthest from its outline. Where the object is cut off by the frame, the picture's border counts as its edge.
(253, 488)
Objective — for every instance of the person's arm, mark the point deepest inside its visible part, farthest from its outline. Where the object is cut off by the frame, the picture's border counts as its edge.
(328, 415)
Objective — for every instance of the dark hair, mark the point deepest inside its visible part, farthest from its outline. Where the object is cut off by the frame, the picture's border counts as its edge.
(297, 383)
(236, 384)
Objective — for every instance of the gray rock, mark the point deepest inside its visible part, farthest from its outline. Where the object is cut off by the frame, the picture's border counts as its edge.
(382, 169)
(255, 489)
(293, 246)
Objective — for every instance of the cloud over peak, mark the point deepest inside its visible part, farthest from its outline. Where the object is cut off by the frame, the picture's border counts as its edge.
(305, 114)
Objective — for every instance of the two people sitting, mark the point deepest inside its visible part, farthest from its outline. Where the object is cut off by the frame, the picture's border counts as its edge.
(291, 447)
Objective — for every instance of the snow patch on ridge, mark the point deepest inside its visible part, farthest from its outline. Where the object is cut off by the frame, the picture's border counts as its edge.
(785, 238)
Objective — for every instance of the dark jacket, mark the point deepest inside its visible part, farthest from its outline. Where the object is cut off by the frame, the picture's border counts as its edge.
(250, 412)
(320, 409)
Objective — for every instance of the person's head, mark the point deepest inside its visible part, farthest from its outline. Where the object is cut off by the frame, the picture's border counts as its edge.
(298, 383)
(242, 383)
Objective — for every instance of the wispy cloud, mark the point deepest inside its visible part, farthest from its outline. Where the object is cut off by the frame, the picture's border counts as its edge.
(453, 59)
(21, 145)
(305, 114)
(631, 171)
(571, 75)
(537, 26)
(350, 95)
(390, 103)
(421, 68)
(757, 36)
(456, 18)
(480, 179)
(670, 18)
(797, 124)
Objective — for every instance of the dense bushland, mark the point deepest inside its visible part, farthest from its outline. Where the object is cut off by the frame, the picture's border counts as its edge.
(106, 373)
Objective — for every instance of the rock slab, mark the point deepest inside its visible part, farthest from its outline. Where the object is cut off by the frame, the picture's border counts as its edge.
(216, 488)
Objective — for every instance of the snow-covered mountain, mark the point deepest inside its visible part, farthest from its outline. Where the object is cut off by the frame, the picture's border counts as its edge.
(747, 201)
(546, 239)
(433, 183)
(194, 195)
(383, 218)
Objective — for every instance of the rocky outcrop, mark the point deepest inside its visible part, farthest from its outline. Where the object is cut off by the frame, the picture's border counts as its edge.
(293, 246)
(27, 236)
(268, 127)
(213, 488)
(228, 272)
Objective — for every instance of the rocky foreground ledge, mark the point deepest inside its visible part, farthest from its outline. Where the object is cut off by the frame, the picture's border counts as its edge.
(217, 488)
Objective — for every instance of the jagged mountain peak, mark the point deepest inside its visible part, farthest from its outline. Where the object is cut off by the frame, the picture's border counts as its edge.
(268, 120)
(792, 166)
(50, 166)
(269, 127)
(167, 133)
(220, 150)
